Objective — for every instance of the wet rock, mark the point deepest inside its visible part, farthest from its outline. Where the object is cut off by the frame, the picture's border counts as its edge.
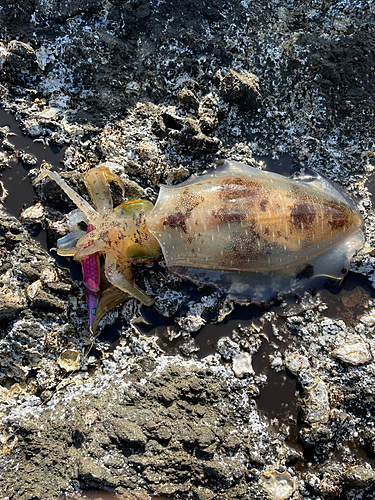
(354, 352)
(168, 302)
(188, 100)
(127, 432)
(188, 347)
(33, 127)
(16, 361)
(202, 143)
(319, 436)
(34, 214)
(191, 323)
(208, 123)
(30, 271)
(62, 9)
(360, 477)
(188, 134)
(10, 305)
(20, 55)
(204, 494)
(242, 89)
(340, 64)
(328, 482)
(29, 159)
(227, 348)
(40, 299)
(190, 128)
(296, 362)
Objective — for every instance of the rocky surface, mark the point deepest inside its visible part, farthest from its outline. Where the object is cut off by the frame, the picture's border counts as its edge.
(159, 89)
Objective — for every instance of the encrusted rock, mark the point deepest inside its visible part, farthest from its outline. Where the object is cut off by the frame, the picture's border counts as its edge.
(296, 362)
(62, 9)
(360, 477)
(167, 302)
(188, 100)
(20, 55)
(41, 299)
(33, 127)
(34, 214)
(10, 304)
(227, 348)
(29, 159)
(330, 485)
(241, 88)
(354, 352)
(208, 123)
(191, 323)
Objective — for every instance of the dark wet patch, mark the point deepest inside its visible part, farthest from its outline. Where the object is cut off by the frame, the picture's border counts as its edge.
(357, 451)
(371, 185)
(21, 191)
(350, 300)
(15, 179)
(282, 165)
(306, 273)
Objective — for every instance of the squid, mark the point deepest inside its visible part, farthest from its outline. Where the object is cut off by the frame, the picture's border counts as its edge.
(251, 233)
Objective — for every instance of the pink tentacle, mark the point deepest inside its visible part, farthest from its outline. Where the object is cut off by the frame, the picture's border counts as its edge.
(91, 280)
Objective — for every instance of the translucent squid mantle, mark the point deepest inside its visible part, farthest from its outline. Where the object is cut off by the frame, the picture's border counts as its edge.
(251, 233)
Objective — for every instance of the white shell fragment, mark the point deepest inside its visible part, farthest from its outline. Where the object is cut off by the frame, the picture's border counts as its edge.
(49, 275)
(33, 289)
(317, 409)
(34, 214)
(69, 360)
(278, 485)
(242, 364)
(354, 352)
(296, 362)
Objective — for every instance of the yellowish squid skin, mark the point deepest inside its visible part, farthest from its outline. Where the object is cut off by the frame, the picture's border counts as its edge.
(237, 227)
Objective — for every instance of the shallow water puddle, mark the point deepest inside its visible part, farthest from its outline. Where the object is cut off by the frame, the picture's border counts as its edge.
(21, 193)
(15, 179)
